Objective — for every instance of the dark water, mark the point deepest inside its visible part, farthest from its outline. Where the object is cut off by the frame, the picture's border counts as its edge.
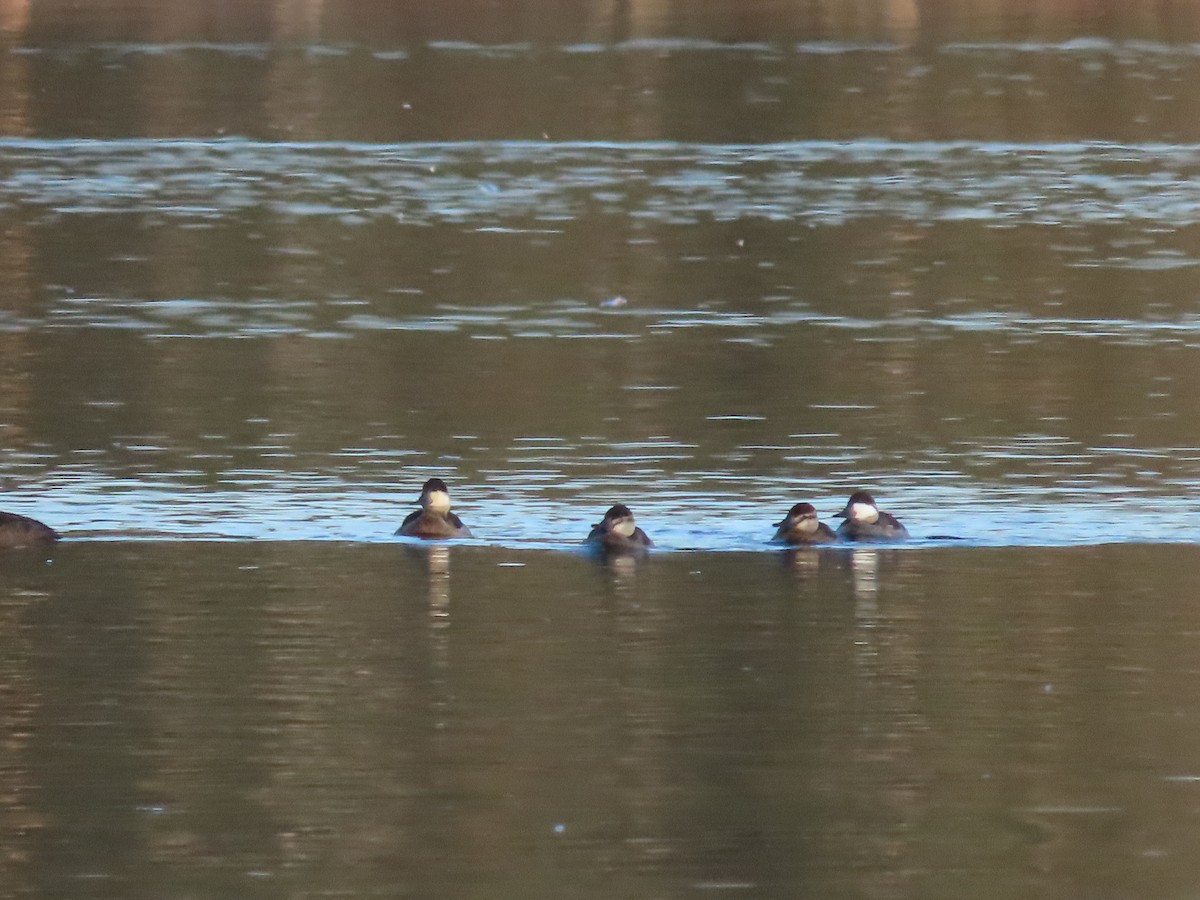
(266, 267)
(285, 718)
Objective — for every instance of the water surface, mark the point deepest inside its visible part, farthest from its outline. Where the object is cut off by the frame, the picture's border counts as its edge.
(270, 718)
(265, 269)
(996, 337)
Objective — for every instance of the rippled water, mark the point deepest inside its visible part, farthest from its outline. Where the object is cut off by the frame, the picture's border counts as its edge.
(264, 272)
(489, 184)
(968, 272)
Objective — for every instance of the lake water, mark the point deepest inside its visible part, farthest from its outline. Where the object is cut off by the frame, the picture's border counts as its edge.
(265, 269)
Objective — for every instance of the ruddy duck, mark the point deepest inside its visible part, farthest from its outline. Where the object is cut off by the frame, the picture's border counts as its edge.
(434, 519)
(17, 532)
(865, 521)
(801, 526)
(617, 533)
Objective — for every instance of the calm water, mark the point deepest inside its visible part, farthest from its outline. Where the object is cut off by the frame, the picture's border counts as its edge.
(284, 719)
(265, 269)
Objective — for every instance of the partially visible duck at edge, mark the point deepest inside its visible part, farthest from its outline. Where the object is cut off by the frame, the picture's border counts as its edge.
(18, 532)
(617, 532)
(867, 522)
(434, 519)
(801, 526)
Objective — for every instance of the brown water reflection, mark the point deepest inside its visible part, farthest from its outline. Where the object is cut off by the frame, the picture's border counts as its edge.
(570, 70)
(536, 20)
(284, 717)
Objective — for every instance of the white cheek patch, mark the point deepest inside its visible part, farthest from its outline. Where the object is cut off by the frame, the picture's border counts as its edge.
(624, 527)
(808, 526)
(863, 512)
(438, 501)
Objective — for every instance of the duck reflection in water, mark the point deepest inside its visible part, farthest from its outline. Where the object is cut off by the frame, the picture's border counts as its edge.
(864, 571)
(437, 572)
(434, 519)
(21, 532)
(803, 560)
(618, 534)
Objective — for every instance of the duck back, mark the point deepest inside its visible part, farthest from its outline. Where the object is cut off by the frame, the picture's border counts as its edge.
(21, 531)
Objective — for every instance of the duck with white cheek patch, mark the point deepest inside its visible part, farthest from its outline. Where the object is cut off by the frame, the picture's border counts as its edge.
(801, 526)
(618, 533)
(434, 519)
(867, 522)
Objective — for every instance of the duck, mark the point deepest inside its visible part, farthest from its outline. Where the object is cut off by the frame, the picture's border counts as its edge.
(801, 526)
(18, 532)
(617, 532)
(434, 519)
(865, 521)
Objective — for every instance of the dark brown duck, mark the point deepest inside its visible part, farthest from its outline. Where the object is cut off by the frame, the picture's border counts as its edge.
(17, 532)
